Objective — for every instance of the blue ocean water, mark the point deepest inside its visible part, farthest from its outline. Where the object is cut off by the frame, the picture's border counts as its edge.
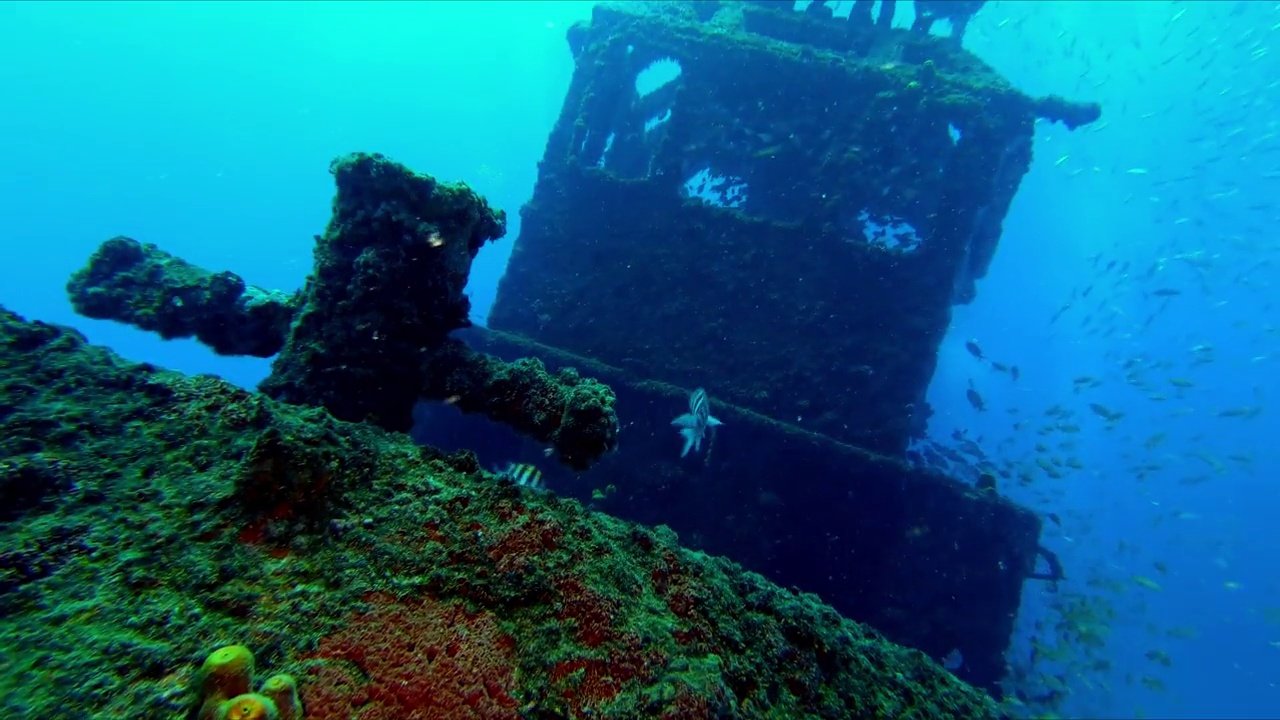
(207, 128)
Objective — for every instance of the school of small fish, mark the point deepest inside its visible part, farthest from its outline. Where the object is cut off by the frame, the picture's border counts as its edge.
(1207, 251)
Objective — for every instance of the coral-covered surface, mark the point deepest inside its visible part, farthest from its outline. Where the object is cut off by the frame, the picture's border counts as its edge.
(368, 336)
(388, 283)
(573, 414)
(150, 289)
(152, 517)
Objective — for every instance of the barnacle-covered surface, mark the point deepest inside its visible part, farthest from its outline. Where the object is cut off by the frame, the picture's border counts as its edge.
(786, 220)
(153, 517)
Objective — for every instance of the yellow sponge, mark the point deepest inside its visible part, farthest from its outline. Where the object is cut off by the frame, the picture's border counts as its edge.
(249, 706)
(283, 691)
(226, 673)
(225, 681)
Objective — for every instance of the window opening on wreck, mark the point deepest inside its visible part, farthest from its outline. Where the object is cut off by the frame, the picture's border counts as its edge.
(716, 189)
(942, 28)
(604, 154)
(840, 9)
(885, 232)
(654, 122)
(954, 132)
(657, 75)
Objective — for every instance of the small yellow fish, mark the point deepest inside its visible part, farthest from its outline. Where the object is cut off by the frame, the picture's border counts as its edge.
(1247, 411)
(1147, 583)
(1105, 412)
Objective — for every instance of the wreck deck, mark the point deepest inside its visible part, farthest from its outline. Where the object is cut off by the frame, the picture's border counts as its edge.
(928, 561)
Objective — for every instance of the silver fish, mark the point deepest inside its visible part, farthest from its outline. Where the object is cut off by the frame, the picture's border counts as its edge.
(695, 424)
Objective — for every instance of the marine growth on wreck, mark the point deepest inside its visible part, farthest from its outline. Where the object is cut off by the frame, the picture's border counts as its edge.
(177, 547)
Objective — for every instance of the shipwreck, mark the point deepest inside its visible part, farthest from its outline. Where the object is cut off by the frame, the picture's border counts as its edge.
(781, 207)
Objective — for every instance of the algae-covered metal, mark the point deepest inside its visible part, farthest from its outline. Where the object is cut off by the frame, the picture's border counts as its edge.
(783, 207)
(778, 205)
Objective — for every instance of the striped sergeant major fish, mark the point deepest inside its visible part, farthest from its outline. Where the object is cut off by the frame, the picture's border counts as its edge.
(695, 424)
(523, 474)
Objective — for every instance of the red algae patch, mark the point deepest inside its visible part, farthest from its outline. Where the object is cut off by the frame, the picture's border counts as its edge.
(413, 660)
